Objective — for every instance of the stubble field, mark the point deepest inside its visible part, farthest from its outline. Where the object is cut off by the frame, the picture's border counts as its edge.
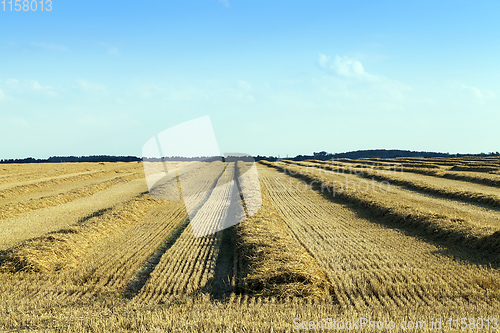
(85, 247)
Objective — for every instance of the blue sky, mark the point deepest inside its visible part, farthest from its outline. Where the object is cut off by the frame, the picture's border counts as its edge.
(275, 77)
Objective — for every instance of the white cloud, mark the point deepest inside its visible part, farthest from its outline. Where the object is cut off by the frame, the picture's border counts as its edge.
(171, 93)
(50, 47)
(244, 85)
(36, 85)
(145, 93)
(206, 92)
(225, 3)
(106, 120)
(2, 95)
(120, 101)
(12, 82)
(352, 81)
(478, 94)
(346, 67)
(91, 86)
(113, 50)
(17, 122)
(462, 93)
(16, 89)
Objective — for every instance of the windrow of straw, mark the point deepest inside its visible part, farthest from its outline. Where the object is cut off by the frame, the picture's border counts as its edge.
(480, 165)
(33, 172)
(475, 168)
(490, 179)
(385, 163)
(16, 208)
(434, 225)
(466, 196)
(274, 264)
(36, 185)
(61, 249)
(448, 162)
(420, 186)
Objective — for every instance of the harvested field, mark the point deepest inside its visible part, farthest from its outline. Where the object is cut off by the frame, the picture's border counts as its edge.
(449, 170)
(438, 218)
(250, 247)
(35, 222)
(444, 187)
(374, 265)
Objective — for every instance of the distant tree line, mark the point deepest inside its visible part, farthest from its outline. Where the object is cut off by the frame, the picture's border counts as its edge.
(383, 153)
(74, 159)
(108, 158)
(229, 158)
(181, 158)
(323, 155)
(266, 158)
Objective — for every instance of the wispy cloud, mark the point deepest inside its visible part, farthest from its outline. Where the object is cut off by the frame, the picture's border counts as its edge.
(171, 93)
(345, 67)
(480, 95)
(12, 82)
(36, 85)
(110, 49)
(93, 91)
(225, 3)
(15, 89)
(91, 86)
(244, 85)
(351, 69)
(17, 122)
(120, 101)
(2, 95)
(207, 91)
(50, 47)
(47, 90)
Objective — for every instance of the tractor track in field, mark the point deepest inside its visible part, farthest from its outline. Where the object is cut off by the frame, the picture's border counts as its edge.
(136, 285)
